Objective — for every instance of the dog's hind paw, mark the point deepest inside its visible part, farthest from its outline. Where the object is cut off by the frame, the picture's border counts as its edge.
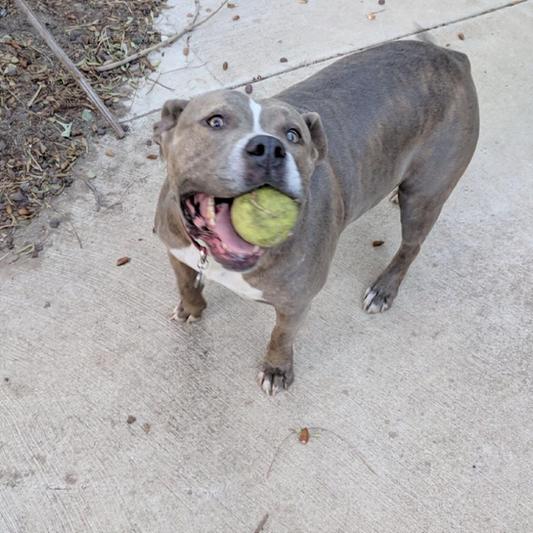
(376, 300)
(273, 380)
(181, 315)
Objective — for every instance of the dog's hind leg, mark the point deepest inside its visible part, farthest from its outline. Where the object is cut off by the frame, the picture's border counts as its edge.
(417, 217)
(421, 197)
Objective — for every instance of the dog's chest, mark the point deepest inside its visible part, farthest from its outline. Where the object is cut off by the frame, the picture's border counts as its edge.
(216, 272)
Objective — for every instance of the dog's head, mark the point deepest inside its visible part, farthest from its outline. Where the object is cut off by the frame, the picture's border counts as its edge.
(223, 144)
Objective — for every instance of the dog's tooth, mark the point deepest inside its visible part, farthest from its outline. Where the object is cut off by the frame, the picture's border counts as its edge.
(211, 210)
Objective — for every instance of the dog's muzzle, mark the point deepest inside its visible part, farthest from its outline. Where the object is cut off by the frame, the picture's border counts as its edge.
(265, 161)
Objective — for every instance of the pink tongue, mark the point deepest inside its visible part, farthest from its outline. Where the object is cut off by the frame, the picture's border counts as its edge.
(223, 227)
(225, 231)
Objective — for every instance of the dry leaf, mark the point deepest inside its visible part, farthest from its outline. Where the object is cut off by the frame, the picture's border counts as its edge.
(186, 51)
(375, 244)
(225, 65)
(248, 89)
(303, 435)
(131, 419)
(109, 152)
(371, 16)
(461, 36)
(231, 5)
(123, 260)
(24, 211)
(303, 1)
(147, 427)
(151, 156)
(236, 17)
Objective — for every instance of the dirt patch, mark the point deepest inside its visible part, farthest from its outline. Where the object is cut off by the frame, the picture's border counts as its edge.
(46, 121)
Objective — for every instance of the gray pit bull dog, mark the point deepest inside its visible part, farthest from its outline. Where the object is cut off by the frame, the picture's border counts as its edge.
(403, 115)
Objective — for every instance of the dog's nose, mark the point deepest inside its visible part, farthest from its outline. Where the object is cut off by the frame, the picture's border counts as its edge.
(265, 151)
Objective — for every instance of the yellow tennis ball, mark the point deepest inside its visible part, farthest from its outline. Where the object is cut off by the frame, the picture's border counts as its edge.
(264, 217)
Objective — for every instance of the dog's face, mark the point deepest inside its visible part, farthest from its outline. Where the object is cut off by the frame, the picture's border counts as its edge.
(223, 144)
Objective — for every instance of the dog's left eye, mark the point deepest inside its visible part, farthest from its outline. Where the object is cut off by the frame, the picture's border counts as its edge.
(216, 122)
(293, 136)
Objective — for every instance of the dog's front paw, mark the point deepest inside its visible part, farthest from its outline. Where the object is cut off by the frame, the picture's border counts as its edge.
(377, 300)
(273, 379)
(183, 314)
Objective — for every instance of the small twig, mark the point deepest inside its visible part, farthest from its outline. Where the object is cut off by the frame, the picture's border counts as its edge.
(157, 82)
(261, 524)
(196, 12)
(97, 194)
(35, 161)
(76, 233)
(70, 66)
(28, 248)
(359, 455)
(277, 450)
(4, 256)
(172, 39)
(32, 100)
(186, 67)
(316, 428)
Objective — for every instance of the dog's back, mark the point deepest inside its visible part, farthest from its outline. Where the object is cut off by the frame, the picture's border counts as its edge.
(382, 101)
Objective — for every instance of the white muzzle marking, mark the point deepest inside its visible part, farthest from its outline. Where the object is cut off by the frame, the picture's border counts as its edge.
(236, 158)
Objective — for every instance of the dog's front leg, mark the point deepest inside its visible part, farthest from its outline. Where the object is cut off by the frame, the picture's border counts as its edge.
(277, 368)
(192, 302)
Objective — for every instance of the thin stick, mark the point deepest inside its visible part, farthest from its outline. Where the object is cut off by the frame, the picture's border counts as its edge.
(277, 450)
(354, 449)
(71, 67)
(97, 195)
(172, 39)
(317, 428)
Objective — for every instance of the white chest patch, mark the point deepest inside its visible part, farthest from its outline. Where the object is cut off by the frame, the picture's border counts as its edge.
(234, 281)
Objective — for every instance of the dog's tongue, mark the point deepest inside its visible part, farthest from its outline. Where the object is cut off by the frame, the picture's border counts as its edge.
(223, 227)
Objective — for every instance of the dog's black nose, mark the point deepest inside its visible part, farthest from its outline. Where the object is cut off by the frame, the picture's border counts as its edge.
(265, 151)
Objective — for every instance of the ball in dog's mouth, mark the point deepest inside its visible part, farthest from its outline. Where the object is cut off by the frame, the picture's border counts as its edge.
(208, 223)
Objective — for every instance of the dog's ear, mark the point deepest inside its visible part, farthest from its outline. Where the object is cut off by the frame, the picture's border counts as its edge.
(169, 118)
(318, 135)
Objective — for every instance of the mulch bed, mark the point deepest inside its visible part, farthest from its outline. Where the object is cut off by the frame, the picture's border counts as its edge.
(46, 121)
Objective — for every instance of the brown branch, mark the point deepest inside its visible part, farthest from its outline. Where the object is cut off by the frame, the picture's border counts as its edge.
(70, 66)
(172, 39)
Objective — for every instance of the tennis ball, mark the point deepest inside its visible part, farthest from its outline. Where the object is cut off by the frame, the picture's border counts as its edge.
(264, 217)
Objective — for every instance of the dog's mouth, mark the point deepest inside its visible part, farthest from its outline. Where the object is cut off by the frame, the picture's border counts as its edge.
(208, 223)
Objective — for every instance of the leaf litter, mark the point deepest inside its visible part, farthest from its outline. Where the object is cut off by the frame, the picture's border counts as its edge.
(46, 120)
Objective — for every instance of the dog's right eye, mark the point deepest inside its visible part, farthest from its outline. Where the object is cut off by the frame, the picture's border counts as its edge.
(216, 122)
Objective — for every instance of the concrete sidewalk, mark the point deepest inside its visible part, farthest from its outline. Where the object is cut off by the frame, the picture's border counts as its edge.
(113, 419)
